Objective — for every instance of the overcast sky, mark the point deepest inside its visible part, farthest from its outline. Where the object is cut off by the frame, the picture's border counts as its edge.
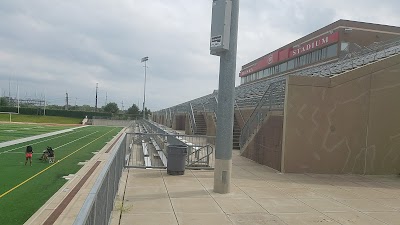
(50, 47)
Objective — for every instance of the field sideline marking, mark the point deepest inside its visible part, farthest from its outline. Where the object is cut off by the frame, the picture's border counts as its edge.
(40, 172)
(60, 145)
(38, 141)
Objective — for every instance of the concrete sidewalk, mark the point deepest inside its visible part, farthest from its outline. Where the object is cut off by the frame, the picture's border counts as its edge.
(259, 195)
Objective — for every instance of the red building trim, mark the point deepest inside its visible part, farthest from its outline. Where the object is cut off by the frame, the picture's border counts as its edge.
(288, 53)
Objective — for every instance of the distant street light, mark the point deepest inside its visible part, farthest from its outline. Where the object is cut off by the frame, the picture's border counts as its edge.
(144, 59)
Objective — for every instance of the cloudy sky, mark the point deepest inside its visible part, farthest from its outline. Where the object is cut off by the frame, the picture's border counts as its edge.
(50, 47)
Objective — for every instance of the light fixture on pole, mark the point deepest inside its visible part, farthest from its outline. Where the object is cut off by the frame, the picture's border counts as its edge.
(144, 59)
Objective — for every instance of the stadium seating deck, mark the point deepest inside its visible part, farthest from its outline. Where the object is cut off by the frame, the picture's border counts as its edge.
(249, 95)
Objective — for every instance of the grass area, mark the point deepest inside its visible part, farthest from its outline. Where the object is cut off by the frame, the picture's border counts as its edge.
(41, 180)
(39, 119)
(12, 131)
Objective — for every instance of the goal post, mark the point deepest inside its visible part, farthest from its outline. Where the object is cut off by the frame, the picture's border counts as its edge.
(10, 113)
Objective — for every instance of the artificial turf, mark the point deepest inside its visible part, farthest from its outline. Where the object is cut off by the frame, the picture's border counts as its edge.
(39, 119)
(41, 180)
(11, 131)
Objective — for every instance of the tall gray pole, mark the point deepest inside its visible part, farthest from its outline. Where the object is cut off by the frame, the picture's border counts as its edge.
(97, 87)
(144, 91)
(226, 94)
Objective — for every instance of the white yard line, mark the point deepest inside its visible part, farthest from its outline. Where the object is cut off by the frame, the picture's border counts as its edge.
(22, 140)
(23, 147)
(58, 146)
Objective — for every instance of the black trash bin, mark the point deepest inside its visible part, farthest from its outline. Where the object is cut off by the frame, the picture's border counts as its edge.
(176, 159)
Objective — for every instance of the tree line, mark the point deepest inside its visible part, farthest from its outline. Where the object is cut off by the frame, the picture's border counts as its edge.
(132, 112)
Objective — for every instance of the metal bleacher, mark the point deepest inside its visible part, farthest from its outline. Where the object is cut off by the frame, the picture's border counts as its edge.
(250, 95)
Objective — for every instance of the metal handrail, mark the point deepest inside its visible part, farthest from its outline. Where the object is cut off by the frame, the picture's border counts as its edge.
(215, 108)
(193, 120)
(240, 112)
(273, 98)
(98, 204)
(190, 163)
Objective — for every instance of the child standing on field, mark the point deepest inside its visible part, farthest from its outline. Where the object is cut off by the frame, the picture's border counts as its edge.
(28, 154)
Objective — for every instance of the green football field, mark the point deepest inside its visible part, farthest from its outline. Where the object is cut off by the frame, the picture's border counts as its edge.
(38, 119)
(11, 131)
(24, 188)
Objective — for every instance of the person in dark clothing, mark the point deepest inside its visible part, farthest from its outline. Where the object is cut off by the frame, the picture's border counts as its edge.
(28, 154)
(49, 152)
(44, 155)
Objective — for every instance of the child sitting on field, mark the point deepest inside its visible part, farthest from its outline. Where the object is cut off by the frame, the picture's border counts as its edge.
(49, 152)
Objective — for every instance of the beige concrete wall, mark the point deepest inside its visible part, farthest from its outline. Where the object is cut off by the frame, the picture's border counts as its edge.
(211, 126)
(179, 121)
(266, 146)
(119, 123)
(246, 113)
(187, 125)
(344, 124)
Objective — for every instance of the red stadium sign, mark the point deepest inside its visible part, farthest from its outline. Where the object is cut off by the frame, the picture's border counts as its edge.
(284, 54)
(264, 62)
(316, 43)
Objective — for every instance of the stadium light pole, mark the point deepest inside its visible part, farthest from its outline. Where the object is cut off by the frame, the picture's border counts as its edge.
(223, 43)
(18, 97)
(144, 59)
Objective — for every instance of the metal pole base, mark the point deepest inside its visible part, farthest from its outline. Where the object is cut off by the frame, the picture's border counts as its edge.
(222, 176)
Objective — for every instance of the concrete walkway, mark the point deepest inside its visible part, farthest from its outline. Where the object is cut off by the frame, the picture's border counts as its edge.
(259, 195)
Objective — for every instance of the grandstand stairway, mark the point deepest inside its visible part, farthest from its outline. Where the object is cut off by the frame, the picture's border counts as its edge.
(236, 134)
(201, 126)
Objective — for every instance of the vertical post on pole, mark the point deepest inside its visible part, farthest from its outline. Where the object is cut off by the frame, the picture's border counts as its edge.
(144, 91)
(224, 31)
(18, 98)
(44, 108)
(97, 87)
(144, 59)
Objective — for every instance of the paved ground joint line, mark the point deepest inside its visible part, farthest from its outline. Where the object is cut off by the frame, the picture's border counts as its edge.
(123, 198)
(213, 197)
(169, 197)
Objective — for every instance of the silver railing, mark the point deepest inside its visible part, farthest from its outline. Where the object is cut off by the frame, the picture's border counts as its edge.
(240, 112)
(98, 205)
(154, 140)
(150, 150)
(192, 119)
(273, 99)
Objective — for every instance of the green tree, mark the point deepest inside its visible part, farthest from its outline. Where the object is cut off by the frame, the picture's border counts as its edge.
(86, 108)
(148, 112)
(3, 101)
(134, 110)
(111, 107)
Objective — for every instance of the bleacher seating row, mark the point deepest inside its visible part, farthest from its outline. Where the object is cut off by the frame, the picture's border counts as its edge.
(249, 95)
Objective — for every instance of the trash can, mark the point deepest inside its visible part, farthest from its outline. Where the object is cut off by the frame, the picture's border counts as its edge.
(176, 159)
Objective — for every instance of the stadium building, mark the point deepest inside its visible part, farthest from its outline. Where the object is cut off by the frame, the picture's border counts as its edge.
(326, 45)
(325, 103)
